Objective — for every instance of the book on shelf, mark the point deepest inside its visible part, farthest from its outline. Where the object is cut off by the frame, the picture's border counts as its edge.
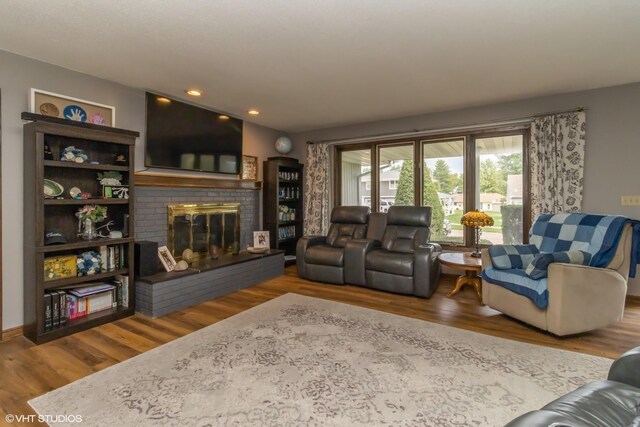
(63, 307)
(48, 316)
(124, 280)
(89, 290)
(55, 309)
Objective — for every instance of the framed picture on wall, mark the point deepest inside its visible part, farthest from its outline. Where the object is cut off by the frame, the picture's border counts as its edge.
(249, 168)
(65, 107)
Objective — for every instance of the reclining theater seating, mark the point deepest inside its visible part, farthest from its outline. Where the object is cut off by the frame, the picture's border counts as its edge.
(406, 263)
(612, 402)
(580, 297)
(396, 255)
(321, 258)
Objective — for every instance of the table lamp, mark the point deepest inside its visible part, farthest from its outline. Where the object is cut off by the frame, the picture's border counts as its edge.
(476, 219)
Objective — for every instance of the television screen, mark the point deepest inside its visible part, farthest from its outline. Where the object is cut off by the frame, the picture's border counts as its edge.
(182, 136)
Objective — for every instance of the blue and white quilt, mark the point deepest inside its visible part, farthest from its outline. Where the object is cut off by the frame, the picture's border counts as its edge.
(576, 238)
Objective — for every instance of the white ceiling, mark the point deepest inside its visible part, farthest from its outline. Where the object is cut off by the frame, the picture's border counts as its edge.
(309, 64)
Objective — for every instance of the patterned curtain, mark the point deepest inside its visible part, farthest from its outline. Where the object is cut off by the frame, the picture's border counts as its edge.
(316, 189)
(557, 163)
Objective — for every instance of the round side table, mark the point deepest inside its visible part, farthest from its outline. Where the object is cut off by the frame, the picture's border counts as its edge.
(471, 266)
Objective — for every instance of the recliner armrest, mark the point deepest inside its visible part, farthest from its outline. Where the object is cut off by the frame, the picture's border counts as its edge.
(626, 368)
(426, 269)
(354, 260)
(303, 244)
(308, 241)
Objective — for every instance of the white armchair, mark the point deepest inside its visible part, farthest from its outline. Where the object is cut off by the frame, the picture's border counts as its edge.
(581, 298)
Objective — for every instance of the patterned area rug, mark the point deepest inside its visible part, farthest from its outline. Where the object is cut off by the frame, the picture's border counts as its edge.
(303, 361)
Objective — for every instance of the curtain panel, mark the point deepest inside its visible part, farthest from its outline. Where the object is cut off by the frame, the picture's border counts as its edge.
(557, 163)
(316, 189)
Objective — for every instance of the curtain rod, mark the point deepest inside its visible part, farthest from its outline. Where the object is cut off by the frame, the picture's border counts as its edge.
(425, 132)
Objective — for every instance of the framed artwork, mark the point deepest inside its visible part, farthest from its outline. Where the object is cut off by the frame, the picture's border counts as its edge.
(261, 239)
(166, 258)
(249, 168)
(66, 107)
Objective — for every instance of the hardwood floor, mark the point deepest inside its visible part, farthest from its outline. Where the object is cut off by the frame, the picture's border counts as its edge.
(27, 371)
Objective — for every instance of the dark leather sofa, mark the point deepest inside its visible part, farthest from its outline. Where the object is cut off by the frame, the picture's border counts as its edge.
(612, 402)
(396, 255)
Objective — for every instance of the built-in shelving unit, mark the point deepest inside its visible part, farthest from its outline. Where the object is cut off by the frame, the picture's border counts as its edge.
(101, 144)
(282, 202)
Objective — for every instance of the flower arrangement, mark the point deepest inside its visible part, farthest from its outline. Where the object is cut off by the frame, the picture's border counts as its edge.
(94, 213)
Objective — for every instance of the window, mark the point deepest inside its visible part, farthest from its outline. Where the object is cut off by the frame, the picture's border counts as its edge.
(499, 189)
(457, 173)
(395, 163)
(356, 178)
(443, 188)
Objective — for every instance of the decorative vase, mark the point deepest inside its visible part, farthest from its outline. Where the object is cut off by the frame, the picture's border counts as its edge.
(88, 229)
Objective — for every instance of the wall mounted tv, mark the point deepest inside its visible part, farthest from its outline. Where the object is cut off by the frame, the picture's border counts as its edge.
(182, 136)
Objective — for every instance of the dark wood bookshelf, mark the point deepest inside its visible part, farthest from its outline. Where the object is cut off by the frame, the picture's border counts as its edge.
(276, 182)
(101, 144)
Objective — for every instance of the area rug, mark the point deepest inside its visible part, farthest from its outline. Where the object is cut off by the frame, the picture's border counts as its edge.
(298, 361)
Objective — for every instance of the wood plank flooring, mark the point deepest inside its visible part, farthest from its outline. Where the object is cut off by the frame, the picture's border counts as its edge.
(27, 371)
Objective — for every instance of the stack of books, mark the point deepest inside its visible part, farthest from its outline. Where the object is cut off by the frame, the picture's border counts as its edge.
(62, 305)
(112, 257)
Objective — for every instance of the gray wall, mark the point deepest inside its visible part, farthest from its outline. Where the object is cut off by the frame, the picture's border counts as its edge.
(612, 148)
(18, 75)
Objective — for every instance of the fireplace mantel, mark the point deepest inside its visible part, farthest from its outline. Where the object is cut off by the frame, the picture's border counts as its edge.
(158, 180)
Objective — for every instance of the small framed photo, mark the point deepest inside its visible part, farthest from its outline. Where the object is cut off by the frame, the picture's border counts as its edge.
(261, 239)
(166, 258)
(66, 107)
(249, 168)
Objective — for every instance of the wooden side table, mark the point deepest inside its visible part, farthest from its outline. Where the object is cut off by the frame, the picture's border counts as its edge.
(471, 266)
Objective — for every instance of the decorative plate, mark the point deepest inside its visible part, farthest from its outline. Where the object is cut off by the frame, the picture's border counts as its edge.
(75, 192)
(52, 188)
(75, 113)
(49, 109)
(253, 250)
(96, 119)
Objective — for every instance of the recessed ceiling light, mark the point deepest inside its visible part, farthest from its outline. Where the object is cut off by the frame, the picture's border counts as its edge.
(194, 92)
(253, 112)
(223, 117)
(163, 99)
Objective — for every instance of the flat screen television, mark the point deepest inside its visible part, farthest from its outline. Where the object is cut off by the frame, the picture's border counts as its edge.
(182, 136)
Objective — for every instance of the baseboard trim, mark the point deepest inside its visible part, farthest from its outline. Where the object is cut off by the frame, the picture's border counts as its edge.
(7, 334)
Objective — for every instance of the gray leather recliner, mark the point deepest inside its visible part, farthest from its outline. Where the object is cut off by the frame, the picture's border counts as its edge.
(406, 262)
(612, 402)
(322, 258)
